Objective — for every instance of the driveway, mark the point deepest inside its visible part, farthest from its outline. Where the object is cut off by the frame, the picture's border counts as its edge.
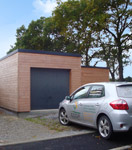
(35, 132)
(15, 129)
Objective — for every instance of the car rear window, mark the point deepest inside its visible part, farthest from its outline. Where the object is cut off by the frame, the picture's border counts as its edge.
(124, 91)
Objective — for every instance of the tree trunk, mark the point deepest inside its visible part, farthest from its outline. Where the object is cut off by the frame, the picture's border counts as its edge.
(112, 71)
(119, 57)
(112, 76)
(87, 61)
(120, 70)
(120, 64)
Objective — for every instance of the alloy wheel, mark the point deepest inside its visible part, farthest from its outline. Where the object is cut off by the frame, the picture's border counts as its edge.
(105, 127)
(63, 117)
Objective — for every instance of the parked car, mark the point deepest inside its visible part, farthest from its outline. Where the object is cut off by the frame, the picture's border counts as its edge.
(105, 106)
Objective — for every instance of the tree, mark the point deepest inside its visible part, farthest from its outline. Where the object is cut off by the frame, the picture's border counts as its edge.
(119, 26)
(82, 20)
(41, 34)
(30, 38)
(74, 19)
(107, 53)
(94, 28)
(20, 32)
(128, 79)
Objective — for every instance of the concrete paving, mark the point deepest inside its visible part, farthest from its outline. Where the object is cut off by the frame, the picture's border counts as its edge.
(15, 129)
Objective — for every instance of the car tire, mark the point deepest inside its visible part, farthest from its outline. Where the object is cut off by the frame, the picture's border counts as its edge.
(63, 118)
(105, 127)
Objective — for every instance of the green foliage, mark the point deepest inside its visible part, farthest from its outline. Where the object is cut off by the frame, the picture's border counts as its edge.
(74, 18)
(118, 26)
(98, 29)
(114, 19)
(128, 79)
(42, 34)
(30, 38)
(82, 21)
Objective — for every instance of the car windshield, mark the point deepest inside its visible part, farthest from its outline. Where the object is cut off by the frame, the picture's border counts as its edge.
(124, 91)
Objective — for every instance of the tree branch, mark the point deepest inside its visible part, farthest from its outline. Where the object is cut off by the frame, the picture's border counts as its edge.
(111, 33)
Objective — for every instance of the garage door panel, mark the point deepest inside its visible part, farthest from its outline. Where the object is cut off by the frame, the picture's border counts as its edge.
(48, 87)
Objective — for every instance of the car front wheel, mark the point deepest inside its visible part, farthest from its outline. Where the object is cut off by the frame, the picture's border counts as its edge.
(63, 118)
(105, 127)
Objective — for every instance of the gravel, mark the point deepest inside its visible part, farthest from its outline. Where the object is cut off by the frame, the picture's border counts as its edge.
(14, 130)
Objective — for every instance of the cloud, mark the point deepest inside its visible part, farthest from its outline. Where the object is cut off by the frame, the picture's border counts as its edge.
(44, 6)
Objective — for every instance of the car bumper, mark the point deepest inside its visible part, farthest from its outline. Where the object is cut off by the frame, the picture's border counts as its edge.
(121, 120)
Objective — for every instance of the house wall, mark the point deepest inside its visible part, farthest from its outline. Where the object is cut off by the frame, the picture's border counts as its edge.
(28, 60)
(9, 82)
(90, 75)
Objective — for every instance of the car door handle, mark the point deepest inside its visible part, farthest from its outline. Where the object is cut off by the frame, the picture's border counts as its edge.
(97, 104)
(80, 104)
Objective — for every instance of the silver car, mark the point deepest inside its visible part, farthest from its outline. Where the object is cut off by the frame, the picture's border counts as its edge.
(105, 106)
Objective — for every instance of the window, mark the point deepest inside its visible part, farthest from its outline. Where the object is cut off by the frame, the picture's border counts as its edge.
(124, 91)
(96, 91)
(81, 93)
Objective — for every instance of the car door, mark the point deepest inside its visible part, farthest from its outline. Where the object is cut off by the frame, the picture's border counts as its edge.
(92, 104)
(74, 108)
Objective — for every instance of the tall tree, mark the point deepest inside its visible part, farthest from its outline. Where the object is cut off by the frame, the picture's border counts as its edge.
(81, 20)
(119, 25)
(108, 53)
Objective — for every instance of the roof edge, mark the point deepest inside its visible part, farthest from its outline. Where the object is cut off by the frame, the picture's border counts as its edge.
(94, 67)
(40, 52)
(8, 55)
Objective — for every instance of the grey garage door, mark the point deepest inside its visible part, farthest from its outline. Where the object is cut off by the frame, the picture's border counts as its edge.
(48, 87)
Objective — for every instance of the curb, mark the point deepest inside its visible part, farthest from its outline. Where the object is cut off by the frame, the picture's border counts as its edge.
(123, 148)
(41, 139)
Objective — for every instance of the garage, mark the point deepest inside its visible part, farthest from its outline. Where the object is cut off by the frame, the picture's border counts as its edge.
(36, 79)
(48, 87)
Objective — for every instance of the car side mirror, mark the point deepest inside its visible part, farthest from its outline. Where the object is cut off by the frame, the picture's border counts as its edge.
(68, 98)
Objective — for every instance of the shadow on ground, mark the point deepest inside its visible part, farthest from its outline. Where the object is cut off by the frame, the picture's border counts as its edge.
(119, 139)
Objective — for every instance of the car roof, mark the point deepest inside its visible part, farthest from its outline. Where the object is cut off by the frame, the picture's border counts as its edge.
(105, 84)
(110, 83)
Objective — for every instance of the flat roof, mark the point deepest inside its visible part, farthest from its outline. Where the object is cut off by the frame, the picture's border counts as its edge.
(94, 67)
(40, 52)
(48, 53)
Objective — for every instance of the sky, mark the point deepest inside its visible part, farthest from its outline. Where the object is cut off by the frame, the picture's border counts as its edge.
(15, 13)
